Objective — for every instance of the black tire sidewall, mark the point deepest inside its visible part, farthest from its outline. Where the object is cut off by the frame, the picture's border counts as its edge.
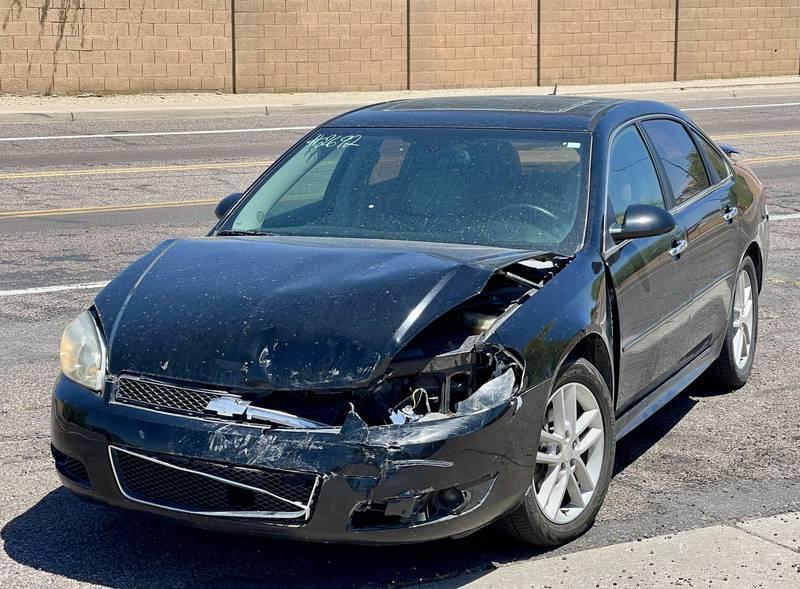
(583, 372)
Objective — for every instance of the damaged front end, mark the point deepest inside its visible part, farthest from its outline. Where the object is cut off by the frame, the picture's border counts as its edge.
(444, 435)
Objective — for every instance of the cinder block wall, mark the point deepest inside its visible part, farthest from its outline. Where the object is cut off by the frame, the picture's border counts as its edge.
(607, 41)
(472, 43)
(119, 46)
(320, 45)
(737, 39)
(114, 46)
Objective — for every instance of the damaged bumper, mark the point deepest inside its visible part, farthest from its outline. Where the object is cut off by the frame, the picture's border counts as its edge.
(406, 482)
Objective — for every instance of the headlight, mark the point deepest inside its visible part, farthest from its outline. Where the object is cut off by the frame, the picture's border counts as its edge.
(83, 353)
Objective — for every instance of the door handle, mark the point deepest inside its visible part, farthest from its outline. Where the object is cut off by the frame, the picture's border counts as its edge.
(678, 246)
(730, 213)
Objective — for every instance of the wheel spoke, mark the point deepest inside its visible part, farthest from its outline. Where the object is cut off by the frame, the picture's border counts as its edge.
(571, 407)
(747, 309)
(544, 458)
(559, 412)
(740, 289)
(745, 340)
(547, 437)
(591, 438)
(574, 490)
(738, 339)
(546, 489)
(583, 475)
(556, 496)
(585, 420)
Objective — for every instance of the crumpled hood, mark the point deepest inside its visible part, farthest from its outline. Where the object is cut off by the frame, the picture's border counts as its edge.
(283, 313)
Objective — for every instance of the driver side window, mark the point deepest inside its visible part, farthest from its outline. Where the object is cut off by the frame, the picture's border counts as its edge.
(632, 177)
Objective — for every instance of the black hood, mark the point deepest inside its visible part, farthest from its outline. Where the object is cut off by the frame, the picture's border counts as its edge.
(283, 313)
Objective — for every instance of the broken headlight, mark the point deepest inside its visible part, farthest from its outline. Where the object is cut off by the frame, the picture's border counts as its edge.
(459, 382)
(83, 353)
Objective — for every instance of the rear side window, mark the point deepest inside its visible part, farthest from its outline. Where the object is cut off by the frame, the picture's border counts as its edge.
(719, 169)
(682, 163)
(632, 177)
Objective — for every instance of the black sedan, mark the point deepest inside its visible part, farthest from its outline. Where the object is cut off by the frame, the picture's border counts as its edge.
(427, 316)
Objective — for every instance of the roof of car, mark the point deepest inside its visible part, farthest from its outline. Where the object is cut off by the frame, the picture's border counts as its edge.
(568, 113)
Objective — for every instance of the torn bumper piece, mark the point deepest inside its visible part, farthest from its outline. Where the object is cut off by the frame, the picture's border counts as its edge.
(386, 484)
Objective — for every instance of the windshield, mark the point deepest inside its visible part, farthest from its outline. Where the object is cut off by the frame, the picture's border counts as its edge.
(515, 189)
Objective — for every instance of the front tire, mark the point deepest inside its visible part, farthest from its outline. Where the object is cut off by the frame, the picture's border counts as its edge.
(574, 461)
(732, 368)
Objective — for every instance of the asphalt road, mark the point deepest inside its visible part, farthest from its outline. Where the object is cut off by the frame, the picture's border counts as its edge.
(710, 456)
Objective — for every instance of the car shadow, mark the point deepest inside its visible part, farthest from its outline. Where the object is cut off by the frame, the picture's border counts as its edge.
(126, 550)
(659, 425)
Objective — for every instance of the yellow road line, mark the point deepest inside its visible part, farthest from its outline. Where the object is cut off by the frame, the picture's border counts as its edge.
(774, 158)
(187, 203)
(132, 170)
(756, 134)
(257, 163)
(106, 209)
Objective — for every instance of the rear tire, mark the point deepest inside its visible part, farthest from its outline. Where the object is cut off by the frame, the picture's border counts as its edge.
(574, 467)
(732, 368)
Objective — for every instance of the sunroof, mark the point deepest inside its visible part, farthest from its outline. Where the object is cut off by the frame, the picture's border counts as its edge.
(529, 104)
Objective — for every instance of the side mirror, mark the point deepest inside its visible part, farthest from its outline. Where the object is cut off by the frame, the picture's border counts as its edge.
(642, 221)
(226, 203)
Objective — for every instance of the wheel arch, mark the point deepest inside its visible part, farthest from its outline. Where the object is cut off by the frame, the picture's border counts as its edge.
(593, 348)
(753, 252)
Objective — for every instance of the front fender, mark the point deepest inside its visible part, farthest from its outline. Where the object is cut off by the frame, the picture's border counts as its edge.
(545, 329)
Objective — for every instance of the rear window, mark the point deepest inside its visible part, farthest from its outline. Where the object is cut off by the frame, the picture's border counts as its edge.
(679, 156)
(719, 169)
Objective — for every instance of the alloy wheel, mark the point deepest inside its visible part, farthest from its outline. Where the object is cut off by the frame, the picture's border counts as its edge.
(570, 456)
(743, 319)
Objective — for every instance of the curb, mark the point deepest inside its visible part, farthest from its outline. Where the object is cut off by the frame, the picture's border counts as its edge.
(755, 553)
(175, 112)
(155, 112)
(147, 113)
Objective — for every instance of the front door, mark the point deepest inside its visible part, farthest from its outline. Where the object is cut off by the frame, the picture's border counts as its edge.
(652, 285)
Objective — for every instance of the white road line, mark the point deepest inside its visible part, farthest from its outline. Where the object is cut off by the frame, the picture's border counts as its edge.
(59, 288)
(740, 106)
(153, 134)
(784, 217)
(308, 128)
(98, 285)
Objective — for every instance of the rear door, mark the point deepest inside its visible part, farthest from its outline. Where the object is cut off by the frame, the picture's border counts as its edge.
(652, 286)
(701, 187)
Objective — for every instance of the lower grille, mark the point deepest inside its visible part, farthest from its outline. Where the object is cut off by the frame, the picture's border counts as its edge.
(209, 488)
(164, 397)
(70, 467)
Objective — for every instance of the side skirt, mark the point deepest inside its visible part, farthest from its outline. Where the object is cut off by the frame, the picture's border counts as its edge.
(663, 394)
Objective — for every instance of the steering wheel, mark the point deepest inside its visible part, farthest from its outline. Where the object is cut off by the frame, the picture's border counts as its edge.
(529, 209)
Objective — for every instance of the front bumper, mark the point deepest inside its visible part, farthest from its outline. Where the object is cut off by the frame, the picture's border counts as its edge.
(357, 467)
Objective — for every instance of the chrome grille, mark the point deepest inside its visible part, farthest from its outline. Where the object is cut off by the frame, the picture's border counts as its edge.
(164, 397)
(209, 488)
